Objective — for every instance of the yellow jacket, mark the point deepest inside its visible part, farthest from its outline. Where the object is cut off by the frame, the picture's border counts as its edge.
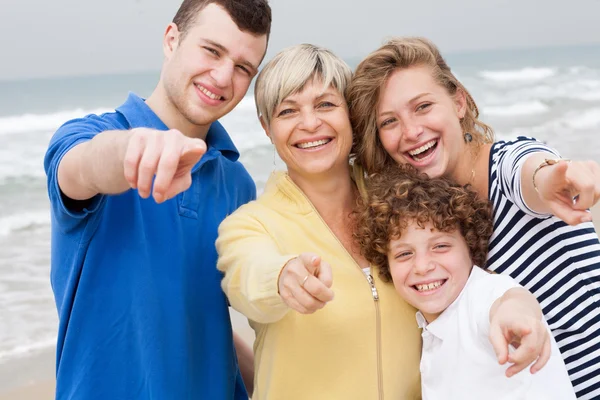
(356, 347)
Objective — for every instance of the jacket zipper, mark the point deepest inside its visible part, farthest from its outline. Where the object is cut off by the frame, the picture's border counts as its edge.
(378, 329)
(374, 293)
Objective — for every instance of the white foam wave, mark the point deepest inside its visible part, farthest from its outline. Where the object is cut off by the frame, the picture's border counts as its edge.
(42, 122)
(519, 75)
(589, 119)
(28, 348)
(517, 109)
(22, 221)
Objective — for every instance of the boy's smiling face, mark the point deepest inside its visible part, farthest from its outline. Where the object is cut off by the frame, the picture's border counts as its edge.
(429, 268)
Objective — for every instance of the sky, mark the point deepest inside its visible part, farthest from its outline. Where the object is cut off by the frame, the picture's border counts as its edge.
(41, 38)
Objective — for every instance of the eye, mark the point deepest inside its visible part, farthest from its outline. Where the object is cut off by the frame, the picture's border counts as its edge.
(387, 122)
(441, 246)
(285, 112)
(245, 70)
(423, 106)
(325, 104)
(211, 50)
(402, 255)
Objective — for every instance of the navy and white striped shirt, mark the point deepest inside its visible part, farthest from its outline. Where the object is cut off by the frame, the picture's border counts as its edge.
(558, 263)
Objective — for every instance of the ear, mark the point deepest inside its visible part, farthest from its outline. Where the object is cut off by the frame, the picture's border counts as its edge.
(265, 128)
(460, 102)
(170, 40)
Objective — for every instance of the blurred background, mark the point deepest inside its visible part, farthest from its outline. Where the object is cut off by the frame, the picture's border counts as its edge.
(533, 68)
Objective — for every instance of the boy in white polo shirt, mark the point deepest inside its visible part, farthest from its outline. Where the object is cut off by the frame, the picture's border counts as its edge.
(428, 236)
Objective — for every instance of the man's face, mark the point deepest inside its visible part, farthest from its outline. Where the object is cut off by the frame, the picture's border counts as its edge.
(207, 71)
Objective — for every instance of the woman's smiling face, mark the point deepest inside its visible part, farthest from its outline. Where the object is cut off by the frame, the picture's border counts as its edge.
(419, 122)
(311, 130)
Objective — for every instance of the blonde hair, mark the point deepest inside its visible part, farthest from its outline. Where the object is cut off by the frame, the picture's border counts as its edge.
(365, 89)
(289, 71)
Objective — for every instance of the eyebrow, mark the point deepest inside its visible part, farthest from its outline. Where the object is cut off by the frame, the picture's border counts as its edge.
(226, 51)
(413, 100)
(436, 236)
(325, 94)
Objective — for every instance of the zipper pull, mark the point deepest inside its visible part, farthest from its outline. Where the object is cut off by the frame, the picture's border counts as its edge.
(373, 288)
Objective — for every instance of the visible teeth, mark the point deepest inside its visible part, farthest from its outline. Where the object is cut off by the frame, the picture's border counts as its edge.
(209, 93)
(421, 149)
(316, 143)
(429, 286)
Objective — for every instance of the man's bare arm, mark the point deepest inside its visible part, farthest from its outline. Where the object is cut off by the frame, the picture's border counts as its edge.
(114, 161)
(245, 357)
(95, 166)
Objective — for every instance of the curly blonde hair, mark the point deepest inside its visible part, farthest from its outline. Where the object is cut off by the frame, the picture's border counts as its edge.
(401, 195)
(372, 74)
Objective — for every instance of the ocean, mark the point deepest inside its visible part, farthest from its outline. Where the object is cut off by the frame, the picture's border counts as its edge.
(552, 94)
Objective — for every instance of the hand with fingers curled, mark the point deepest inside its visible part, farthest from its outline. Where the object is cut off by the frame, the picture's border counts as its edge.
(305, 283)
(163, 157)
(568, 188)
(519, 324)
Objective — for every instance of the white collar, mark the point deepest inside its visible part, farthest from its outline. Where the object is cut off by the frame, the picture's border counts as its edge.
(441, 324)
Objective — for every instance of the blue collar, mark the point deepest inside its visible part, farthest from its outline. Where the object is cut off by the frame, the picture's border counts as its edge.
(138, 115)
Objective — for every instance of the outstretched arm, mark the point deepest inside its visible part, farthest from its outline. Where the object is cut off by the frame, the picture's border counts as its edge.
(549, 185)
(516, 319)
(260, 281)
(114, 161)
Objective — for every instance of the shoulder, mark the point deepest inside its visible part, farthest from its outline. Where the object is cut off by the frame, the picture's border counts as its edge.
(484, 284)
(521, 144)
(92, 122)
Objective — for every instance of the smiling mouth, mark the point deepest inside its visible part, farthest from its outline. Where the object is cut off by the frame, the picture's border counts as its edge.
(209, 94)
(312, 145)
(427, 287)
(424, 151)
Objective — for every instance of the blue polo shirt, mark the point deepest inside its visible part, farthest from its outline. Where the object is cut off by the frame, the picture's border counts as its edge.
(141, 311)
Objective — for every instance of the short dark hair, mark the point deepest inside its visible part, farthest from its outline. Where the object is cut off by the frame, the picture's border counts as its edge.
(252, 16)
(401, 195)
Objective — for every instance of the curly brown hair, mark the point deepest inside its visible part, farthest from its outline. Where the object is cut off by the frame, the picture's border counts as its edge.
(401, 195)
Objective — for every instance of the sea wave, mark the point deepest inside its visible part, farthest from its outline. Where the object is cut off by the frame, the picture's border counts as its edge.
(22, 221)
(588, 119)
(580, 121)
(42, 122)
(585, 89)
(519, 75)
(516, 109)
(27, 348)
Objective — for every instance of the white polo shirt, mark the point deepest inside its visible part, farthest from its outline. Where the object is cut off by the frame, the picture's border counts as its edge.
(458, 360)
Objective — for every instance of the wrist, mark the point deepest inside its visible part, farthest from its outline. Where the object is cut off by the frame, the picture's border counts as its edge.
(548, 162)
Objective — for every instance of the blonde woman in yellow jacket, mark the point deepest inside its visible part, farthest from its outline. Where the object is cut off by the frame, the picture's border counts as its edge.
(326, 326)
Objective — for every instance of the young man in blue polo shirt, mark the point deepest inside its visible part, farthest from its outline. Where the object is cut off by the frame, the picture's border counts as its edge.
(136, 197)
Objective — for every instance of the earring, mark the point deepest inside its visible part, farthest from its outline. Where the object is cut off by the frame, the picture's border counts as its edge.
(468, 137)
(274, 159)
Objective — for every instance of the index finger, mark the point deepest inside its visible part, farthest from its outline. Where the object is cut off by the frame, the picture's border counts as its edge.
(499, 343)
(318, 290)
(527, 352)
(325, 274)
(167, 166)
(544, 356)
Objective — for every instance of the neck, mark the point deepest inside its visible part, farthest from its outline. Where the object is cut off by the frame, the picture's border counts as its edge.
(160, 103)
(332, 193)
(473, 170)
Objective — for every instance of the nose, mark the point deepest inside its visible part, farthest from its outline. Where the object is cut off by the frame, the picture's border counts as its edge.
(310, 121)
(223, 74)
(412, 130)
(423, 266)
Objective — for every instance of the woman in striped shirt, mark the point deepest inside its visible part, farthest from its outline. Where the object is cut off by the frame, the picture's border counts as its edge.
(407, 107)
